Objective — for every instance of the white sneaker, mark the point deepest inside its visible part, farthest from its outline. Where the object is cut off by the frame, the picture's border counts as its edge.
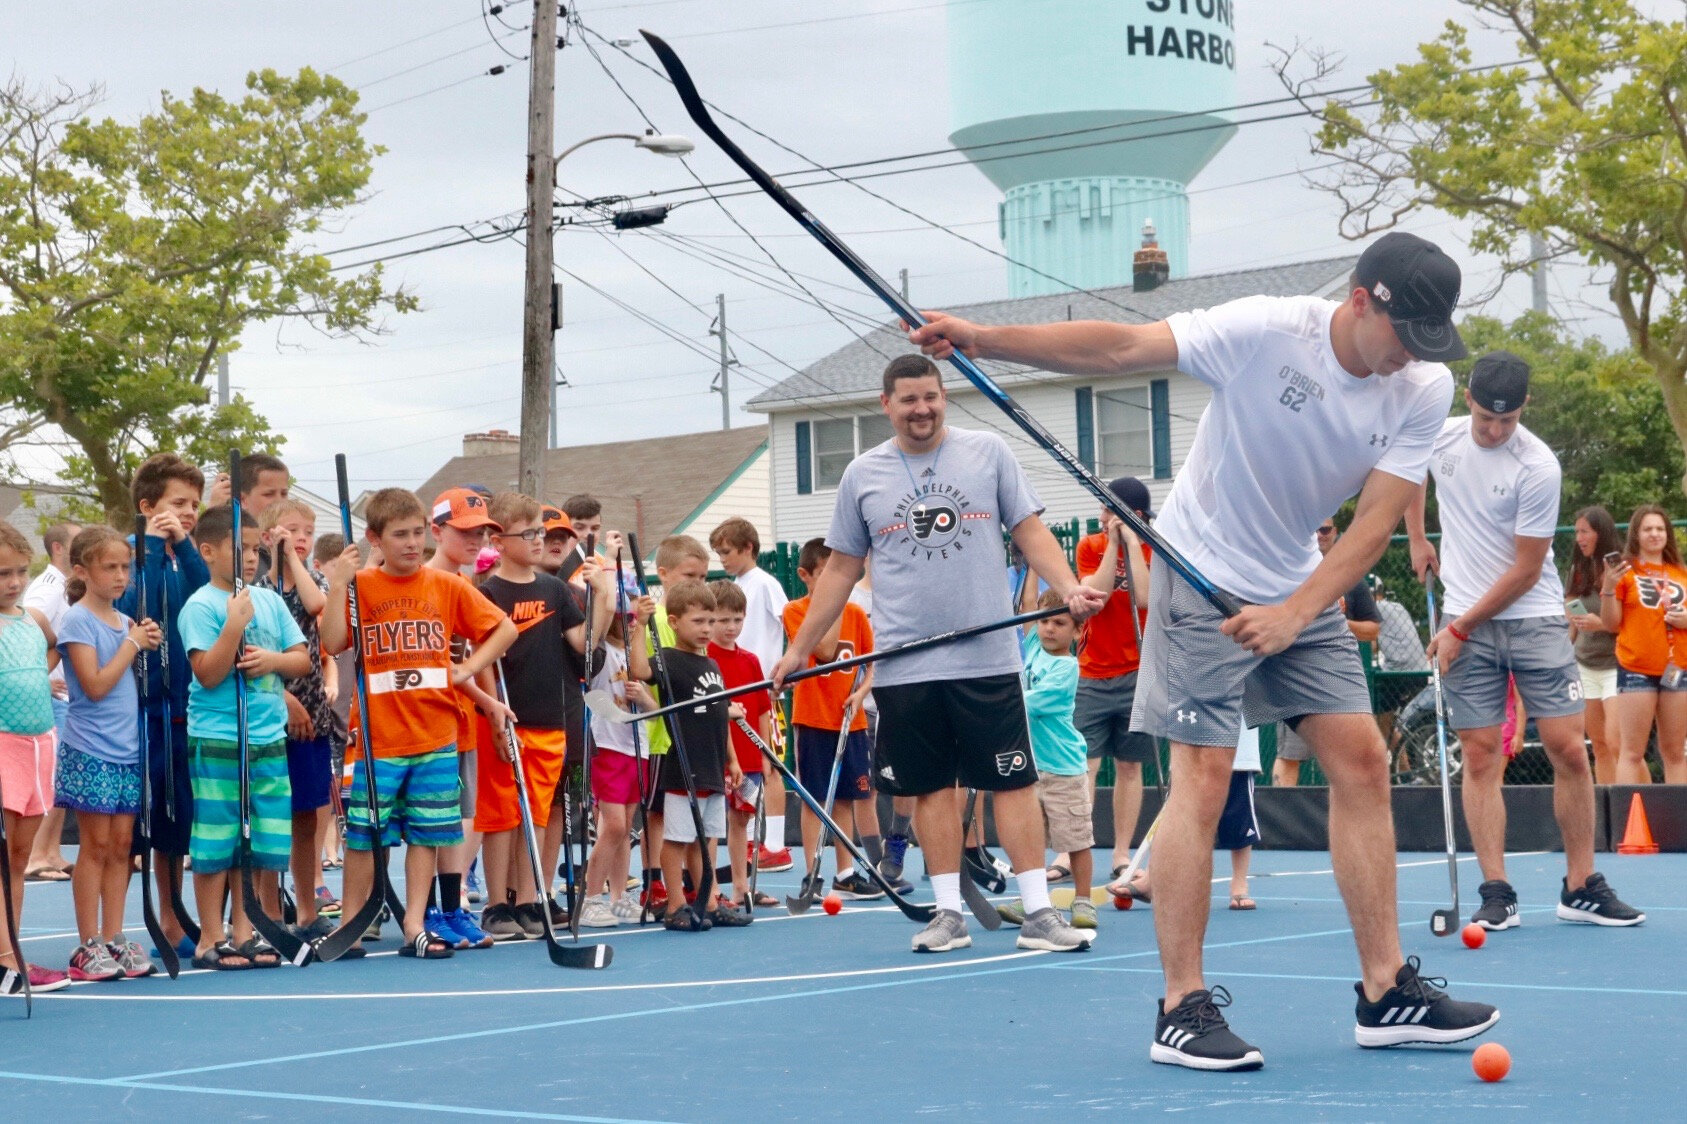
(626, 908)
(596, 914)
(947, 932)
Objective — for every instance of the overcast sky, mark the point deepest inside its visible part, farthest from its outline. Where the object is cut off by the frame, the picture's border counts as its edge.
(837, 81)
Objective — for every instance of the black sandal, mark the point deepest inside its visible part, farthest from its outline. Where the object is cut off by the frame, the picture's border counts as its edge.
(261, 953)
(427, 946)
(217, 957)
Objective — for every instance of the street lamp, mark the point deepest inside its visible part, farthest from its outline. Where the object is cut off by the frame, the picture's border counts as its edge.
(662, 144)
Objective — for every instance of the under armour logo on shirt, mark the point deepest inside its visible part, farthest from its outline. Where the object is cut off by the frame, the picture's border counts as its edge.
(1380, 439)
(1186, 716)
(1499, 489)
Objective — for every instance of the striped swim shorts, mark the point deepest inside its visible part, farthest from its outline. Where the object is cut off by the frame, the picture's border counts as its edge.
(418, 799)
(215, 769)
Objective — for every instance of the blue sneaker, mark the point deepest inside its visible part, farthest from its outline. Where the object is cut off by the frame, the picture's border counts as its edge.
(184, 950)
(462, 924)
(896, 851)
(473, 890)
(440, 925)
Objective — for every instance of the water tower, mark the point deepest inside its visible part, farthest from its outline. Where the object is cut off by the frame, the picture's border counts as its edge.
(1076, 202)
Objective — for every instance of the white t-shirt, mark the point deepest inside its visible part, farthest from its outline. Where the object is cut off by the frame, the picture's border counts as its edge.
(612, 677)
(1487, 498)
(46, 593)
(1288, 437)
(764, 616)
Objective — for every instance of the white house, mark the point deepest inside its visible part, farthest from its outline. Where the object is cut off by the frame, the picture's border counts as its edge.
(1142, 426)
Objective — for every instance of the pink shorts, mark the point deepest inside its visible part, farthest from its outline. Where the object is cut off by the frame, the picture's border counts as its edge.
(26, 772)
(618, 778)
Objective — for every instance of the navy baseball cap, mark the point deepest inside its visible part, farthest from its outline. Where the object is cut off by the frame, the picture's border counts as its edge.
(1417, 285)
(1133, 493)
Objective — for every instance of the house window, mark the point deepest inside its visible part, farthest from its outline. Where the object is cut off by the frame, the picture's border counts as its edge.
(872, 430)
(1124, 432)
(834, 448)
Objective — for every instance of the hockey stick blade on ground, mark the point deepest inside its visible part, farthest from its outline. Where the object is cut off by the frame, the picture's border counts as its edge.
(921, 914)
(699, 112)
(977, 903)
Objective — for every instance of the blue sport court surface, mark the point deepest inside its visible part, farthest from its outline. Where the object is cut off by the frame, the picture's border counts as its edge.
(833, 1017)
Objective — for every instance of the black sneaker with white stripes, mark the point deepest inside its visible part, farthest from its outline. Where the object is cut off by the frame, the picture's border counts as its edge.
(1499, 906)
(1415, 1009)
(1596, 904)
(1194, 1034)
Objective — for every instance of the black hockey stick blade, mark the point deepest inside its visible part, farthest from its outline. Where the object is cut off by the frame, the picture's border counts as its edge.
(699, 112)
(190, 927)
(911, 910)
(335, 945)
(1444, 922)
(166, 951)
(293, 949)
(977, 904)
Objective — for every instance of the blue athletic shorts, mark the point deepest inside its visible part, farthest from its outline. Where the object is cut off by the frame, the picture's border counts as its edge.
(310, 770)
(816, 749)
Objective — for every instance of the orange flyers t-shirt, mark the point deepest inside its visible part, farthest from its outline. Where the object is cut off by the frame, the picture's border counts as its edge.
(1644, 644)
(819, 702)
(406, 626)
(1107, 645)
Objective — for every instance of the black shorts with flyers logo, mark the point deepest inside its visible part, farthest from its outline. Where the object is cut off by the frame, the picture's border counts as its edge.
(971, 732)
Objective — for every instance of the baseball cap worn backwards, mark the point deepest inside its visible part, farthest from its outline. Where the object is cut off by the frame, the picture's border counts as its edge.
(1417, 285)
(1133, 493)
(463, 509)
(1499, 382)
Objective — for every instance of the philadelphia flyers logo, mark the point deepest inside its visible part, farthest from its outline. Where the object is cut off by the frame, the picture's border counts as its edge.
(1007, 764)
(405, 678)
(933, 522)
(1654, 591)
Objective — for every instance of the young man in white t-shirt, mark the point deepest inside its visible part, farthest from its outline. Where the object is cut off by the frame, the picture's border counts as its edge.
(738, 544)
(1312, 402)
(1497, 488)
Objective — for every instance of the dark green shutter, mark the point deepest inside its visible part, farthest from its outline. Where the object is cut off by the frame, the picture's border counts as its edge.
(1160, 414)
(1086, 428)
(805, 461)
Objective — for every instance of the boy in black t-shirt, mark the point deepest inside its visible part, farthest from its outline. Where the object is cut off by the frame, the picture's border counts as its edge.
(550, 624)
(714, 768)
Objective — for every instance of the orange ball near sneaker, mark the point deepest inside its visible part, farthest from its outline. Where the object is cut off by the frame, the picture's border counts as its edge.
(1491, 1061)
(1474, 935)
(831, 904)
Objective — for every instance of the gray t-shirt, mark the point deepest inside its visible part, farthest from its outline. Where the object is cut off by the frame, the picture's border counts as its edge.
(933, 524)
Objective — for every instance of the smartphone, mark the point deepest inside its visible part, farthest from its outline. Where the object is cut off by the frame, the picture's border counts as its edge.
(1613, 558)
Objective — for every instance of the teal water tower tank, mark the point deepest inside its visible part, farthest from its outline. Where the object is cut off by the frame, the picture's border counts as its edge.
(1044, 97)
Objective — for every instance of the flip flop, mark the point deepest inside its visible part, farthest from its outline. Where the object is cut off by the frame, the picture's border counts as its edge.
(1242, 901)
(261, 953)
(217, 957)
(427, 946)
(46, 874)
(1058, 873)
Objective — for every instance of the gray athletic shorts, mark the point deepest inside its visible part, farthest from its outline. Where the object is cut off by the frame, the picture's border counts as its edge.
(1197, 686)
(1535, 651)
(1102, 714)
(1291, 746)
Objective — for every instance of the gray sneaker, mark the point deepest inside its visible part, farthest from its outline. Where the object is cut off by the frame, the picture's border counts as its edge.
(1083, 914)
(947, 932)
(596, 914)
(626, 908)
(1012, 913)
(499, 923)
(1046, 929)
(131, 958)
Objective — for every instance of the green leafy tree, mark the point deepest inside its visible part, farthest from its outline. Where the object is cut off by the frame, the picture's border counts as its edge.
(132, 255)
(1582, 145)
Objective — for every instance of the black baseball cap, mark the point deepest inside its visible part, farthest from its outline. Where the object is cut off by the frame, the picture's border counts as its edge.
(1417, 285)
(1499, 382)
(1133, 493)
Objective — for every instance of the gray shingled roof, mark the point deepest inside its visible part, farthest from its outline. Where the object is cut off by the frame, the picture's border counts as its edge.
(854, 370)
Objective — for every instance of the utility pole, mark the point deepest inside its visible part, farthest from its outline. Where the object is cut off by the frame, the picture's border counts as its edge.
(1537, 278)
(726, 360)
(538, 344)
(222, 378)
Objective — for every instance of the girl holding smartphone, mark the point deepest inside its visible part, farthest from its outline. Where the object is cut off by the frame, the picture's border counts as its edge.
(1643, 599)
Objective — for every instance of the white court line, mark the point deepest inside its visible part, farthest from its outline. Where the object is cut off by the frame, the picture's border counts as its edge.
(853, 973)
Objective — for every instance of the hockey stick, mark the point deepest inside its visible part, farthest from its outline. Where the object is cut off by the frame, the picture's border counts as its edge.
(1141, 854)
(699, 112)
(351, 930)
(13, 919)
(648, 777)
(706, 884)
(922, 914)
(291, 947)
(143, 818)
(603, 700)
(1443, 922)
(563, 956)
(977, 904)
(577, 889)
(760, 822)
(167, 723)
(810, 887)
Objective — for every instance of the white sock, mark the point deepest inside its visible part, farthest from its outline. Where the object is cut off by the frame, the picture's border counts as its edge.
(1034, 889)
(774, 840)
(846, 873)
(947, 889)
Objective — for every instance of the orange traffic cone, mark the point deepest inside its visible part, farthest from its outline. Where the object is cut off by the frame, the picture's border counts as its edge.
(1637, 835)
